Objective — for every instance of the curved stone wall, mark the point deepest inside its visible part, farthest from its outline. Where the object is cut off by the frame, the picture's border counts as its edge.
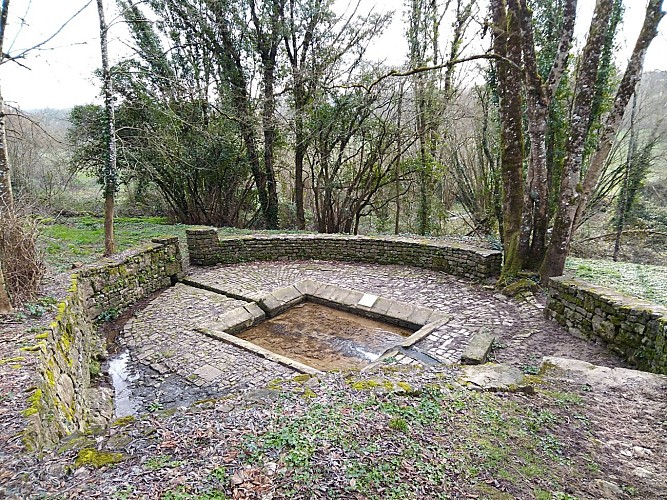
(206, 248)
(633, 328)
(62, 400)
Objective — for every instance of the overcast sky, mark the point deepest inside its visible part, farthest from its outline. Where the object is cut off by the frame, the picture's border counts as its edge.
(61, 75)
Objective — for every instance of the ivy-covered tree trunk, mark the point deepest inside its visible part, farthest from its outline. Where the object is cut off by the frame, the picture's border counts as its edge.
(539, 94)
(110, 174)
(507, 44)
(626, 89)
(267, 33)
(575, 191)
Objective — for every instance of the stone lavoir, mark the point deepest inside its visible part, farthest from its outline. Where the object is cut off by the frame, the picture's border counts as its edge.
(63, 400)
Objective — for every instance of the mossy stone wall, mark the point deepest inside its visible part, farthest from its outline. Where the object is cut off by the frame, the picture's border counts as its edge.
(62, 400)
(206, 248)
(633, 328)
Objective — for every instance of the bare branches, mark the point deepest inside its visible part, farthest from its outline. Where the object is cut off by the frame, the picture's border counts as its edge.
(23, 53)
(424, 69)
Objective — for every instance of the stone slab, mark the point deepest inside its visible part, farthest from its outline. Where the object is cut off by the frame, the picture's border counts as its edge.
(420, 316)
(280, 300)
(582, 372)
(495, 378)
(424, 331)
(477, 350)
(207, 372)
(367, 300)
(307, 287)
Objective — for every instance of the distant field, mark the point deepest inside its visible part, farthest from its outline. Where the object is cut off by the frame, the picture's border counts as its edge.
(81, 239)
(639, 280)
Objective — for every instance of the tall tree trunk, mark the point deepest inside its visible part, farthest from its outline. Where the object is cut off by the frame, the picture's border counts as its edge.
(626, 89)
(5, 303)
(269, 146)
(299, 156)
(399, 149)
(539, 94)
(507, 43)
(570, 187)
(110, 174)
(267, 40)
(622, 207)
(575, 191)
(6, 193)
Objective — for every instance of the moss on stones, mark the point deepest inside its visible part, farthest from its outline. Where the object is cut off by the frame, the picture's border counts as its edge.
(94, 458)
(123, 421)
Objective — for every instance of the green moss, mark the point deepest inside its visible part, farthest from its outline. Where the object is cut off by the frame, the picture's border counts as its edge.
(362, 385)
(301, 378)
(275, 384)
(388, 385)
(34, 403)
(94, 458)
(11, 360)
(50, 378)
(405, 387)
(123, 421)
(42, 336)
(308, 393)
(33, 348)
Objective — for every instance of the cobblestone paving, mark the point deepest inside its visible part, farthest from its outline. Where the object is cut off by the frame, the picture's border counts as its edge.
(522, 332)
(163, 338)
(183, 363)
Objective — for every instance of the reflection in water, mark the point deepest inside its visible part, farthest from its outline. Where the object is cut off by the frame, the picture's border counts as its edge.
(121, 379)
(325, 338)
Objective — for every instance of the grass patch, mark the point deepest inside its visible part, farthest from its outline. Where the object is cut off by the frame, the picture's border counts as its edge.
(639, 280)
(445, 437)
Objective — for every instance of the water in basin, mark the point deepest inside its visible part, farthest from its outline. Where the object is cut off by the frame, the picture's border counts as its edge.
(325, 338)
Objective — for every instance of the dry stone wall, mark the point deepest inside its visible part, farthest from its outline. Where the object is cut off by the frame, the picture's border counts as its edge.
(207, 248)
(633, 328)
(63, 401)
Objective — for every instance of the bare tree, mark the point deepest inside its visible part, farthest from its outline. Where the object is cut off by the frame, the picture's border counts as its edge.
(6, 195)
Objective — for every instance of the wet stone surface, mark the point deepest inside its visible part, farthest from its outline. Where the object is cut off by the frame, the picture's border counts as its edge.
(173, 363)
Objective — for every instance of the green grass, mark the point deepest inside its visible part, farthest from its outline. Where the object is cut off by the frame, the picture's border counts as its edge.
(387, 440)
(81, 239)
(639, 280)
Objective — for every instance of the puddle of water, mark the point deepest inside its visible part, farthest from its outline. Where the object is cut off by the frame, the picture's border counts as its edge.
(121, 378)
(325, 338)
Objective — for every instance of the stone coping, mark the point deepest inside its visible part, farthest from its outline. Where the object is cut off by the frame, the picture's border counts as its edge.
(418, 318)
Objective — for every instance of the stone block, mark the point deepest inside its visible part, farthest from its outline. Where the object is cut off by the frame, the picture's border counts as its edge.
(495, 378)
(477, 351)
(400, 311)
(307, 287)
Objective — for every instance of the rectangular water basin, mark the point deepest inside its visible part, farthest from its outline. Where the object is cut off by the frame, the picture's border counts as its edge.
(325, 338)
